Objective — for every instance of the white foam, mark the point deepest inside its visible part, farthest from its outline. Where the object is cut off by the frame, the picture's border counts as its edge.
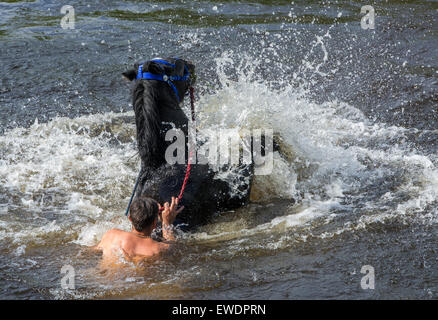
(332, 142)
(318, 209)
(67, 166)
(20, 250)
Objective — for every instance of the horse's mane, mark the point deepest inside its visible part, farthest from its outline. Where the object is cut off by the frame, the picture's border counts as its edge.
(148, 123)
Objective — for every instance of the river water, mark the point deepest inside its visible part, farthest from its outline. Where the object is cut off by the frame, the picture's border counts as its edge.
(357, 110)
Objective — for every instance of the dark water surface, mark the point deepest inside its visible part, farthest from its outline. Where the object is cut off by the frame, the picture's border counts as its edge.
(357, 110)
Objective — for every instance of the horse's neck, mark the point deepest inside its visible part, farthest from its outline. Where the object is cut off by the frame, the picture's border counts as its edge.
(156, 112)
(172, 114)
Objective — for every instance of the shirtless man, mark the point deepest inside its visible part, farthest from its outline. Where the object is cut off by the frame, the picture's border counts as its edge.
(144, 214)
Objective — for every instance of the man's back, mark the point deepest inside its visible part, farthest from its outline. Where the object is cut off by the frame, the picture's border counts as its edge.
(144, 214)
(132, 245)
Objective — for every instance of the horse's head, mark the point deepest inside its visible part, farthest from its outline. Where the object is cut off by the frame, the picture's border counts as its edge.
(178, 73)
(160, 86)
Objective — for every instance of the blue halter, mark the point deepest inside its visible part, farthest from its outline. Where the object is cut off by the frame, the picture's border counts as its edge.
(164, 77)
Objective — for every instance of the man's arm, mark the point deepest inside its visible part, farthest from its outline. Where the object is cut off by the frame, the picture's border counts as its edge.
(168, 216)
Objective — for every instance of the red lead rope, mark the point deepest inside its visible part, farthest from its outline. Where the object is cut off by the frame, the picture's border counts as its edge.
(186, 178)
(189, 162)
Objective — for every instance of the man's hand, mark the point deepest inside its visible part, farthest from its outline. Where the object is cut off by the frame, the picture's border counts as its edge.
(168, 215)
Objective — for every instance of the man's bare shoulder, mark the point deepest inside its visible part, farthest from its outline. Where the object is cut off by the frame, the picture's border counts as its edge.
(148, 247)
(162, 246)
(132, 245)
(110, 235)
(115, 230)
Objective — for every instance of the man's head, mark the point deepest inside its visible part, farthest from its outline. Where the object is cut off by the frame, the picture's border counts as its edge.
(143, 213)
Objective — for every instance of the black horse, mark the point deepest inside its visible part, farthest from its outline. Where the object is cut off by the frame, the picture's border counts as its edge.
(159, 90)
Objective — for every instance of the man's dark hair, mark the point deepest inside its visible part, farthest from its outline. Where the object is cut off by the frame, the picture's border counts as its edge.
(143, 212)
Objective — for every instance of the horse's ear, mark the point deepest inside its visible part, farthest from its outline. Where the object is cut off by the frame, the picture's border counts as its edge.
(179, 67)
(191, 67)
(130, 74)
